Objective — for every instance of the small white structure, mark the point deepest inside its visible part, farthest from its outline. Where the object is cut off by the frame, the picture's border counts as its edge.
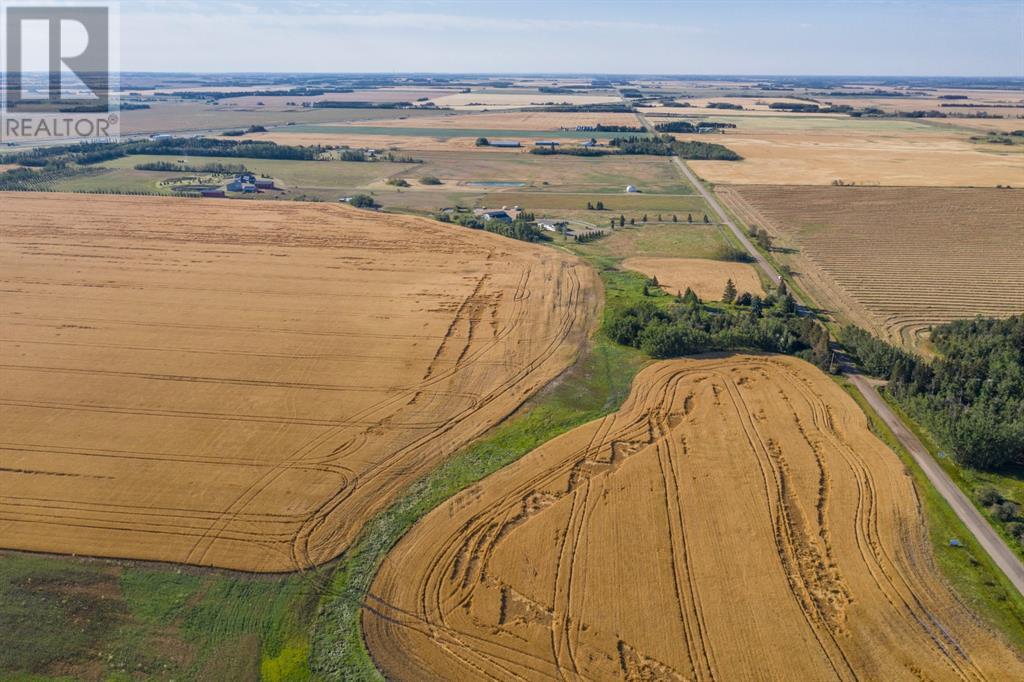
(631, 189)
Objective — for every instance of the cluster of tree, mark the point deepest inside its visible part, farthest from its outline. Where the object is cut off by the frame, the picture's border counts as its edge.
(761, 237)
(666, 145)
(632, 94)
(90, 153)
(747, 322)
(589, 236)
(202, 146)
(100, 108)
(293, 92)
(687, 127)
(799, 107)
(363, 201)
(921, 113)
(26, 179)
(693, 149)
(599, 206)
(397, 182)
(971, 396)
(729, 252)
(430, 180)
(588, 108)
(571, 150)
(522, 228)
(724, 105)
(222, 168)
(327, 104)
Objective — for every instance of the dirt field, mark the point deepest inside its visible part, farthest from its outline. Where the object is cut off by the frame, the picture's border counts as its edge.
(243, 384)
(707, 278)
(736, 519)
(897, 259)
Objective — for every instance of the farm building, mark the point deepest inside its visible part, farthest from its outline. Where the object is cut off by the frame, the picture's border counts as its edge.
(545, 143)
(235, 186)
(497, 215)
(505, 143)
(212, 193)
(162, 137)
(631, 189)
(264, 183)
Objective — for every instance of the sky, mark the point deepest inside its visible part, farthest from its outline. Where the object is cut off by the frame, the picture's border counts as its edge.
(864, 37)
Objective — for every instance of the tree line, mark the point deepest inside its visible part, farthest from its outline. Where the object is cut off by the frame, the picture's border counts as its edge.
(745, 322)
(971, 396)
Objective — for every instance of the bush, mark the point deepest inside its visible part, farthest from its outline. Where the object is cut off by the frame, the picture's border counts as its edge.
(363, 201)
(1006, 511)
(430, 180)
(398, 182)
(733, 253)
(1016, 529)
(988, 496)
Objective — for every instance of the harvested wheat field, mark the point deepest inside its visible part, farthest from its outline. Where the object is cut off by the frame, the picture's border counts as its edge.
(707, 278)
(736, 519)
(243, 384)
(897, 260)
(939, 157)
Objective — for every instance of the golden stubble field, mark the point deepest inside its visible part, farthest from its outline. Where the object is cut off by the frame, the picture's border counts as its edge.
(934, 157)
(736, 519)
(707, 278)
(244, 384)
(896, 260)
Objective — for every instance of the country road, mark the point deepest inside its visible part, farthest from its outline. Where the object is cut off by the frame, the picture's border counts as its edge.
(717, 208)
(1002, 555)
(990, 541)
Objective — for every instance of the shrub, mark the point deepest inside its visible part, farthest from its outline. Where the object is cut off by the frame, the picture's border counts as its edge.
(398, 182)
(732, 253)
(1016, 529)
(1006, 511)
(363, 201)
(988, 496)
(430, 180)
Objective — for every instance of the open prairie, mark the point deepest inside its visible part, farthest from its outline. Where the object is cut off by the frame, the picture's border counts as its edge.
(735, 519)
(707, 278)
(897, 260)
(243, 384)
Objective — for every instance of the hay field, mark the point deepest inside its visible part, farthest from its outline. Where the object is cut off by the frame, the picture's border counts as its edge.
(736, 519)
(929, 157)
(172, 117)
(897, 259)
(243, 384)
(512, 99)
(523, 120)
(707, 278)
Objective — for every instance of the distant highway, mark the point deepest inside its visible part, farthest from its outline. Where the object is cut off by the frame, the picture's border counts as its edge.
(978, 526)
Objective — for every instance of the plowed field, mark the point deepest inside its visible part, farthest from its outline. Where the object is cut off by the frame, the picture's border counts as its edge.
(736, 519)
(243, 384)
(897, 259)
